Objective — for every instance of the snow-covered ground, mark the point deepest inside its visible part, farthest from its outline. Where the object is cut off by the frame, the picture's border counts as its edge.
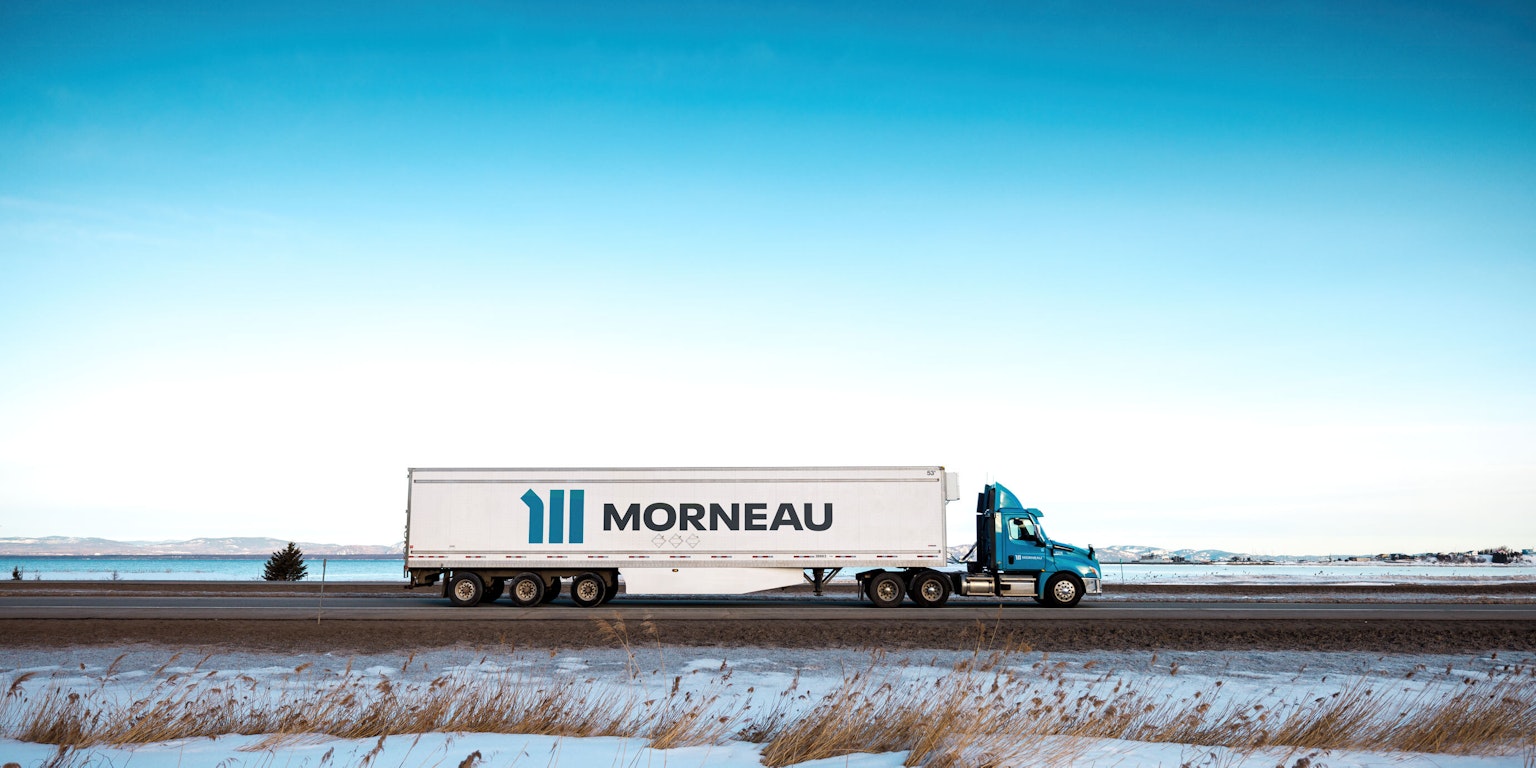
(497, 750)
(740, 686)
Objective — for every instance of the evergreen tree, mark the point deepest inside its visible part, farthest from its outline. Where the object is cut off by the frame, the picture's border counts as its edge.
(286, 564)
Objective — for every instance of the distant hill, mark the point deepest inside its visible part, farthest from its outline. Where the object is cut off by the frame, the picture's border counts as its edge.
(1131, 553)
(1134, 553)
(233, 545)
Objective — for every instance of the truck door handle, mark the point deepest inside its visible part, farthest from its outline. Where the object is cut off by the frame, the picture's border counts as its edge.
(1010, 559)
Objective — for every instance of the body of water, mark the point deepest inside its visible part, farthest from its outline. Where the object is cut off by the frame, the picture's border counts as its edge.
(106, 568)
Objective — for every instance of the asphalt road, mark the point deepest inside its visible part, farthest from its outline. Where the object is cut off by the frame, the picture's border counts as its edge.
(426, 607)
(369, 617)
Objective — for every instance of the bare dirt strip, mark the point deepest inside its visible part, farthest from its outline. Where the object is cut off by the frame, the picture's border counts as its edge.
(882, 630)
(1156, 634)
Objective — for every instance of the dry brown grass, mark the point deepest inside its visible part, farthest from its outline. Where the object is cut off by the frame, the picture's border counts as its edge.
(354, 709)
(952, 720)
(1047, 711)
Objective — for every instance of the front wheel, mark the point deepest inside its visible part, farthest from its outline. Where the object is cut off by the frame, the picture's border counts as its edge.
(1063, 590)
(465, 589)
(588, 590)
(886, 590)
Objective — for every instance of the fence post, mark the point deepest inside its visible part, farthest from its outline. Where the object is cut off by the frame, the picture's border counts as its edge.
(321, 609)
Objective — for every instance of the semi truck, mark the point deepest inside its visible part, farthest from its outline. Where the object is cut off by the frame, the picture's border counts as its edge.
(532, 533)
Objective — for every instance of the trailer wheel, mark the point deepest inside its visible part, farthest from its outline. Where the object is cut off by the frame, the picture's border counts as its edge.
(527, 590)
(886, 590)
(465, 589)
(1063, 590)
(551, 591)
(930, 590)
(588, 589)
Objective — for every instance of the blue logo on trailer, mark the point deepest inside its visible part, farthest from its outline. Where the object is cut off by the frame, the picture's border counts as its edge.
(556, 517)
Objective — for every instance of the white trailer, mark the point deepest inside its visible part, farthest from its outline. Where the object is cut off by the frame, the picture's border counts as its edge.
(675, 531)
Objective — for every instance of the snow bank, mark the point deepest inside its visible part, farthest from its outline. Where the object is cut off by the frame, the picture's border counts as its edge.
(746, 680)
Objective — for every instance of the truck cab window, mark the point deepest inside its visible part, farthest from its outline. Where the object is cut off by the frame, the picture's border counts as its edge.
(1021, 529)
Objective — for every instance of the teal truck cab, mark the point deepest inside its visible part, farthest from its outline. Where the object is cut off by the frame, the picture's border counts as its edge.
(1014, 557)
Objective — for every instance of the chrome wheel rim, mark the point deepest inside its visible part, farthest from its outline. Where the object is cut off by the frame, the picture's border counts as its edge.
(1064, 590)
(464, 590)
(886, 590)
(526, 591)
(587, 591)
(932, 590)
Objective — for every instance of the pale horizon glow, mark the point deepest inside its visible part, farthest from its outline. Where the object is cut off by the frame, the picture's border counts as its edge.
(1185, 276)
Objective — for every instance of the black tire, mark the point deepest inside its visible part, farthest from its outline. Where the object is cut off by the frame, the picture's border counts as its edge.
(588, 590)
(885, 590)
(465, 589)
(526, 590)
(1063, 590)
(611, 593)
(493, 591)
(551, 590)
(930, 589)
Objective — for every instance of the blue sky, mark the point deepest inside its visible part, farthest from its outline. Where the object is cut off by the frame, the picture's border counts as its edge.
(1178, 273)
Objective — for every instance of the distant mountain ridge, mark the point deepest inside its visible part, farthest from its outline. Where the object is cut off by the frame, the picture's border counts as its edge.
(1135, 553)
(230, 545)
(1131, 553)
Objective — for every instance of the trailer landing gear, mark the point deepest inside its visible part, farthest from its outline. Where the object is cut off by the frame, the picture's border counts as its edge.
(818, 577)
